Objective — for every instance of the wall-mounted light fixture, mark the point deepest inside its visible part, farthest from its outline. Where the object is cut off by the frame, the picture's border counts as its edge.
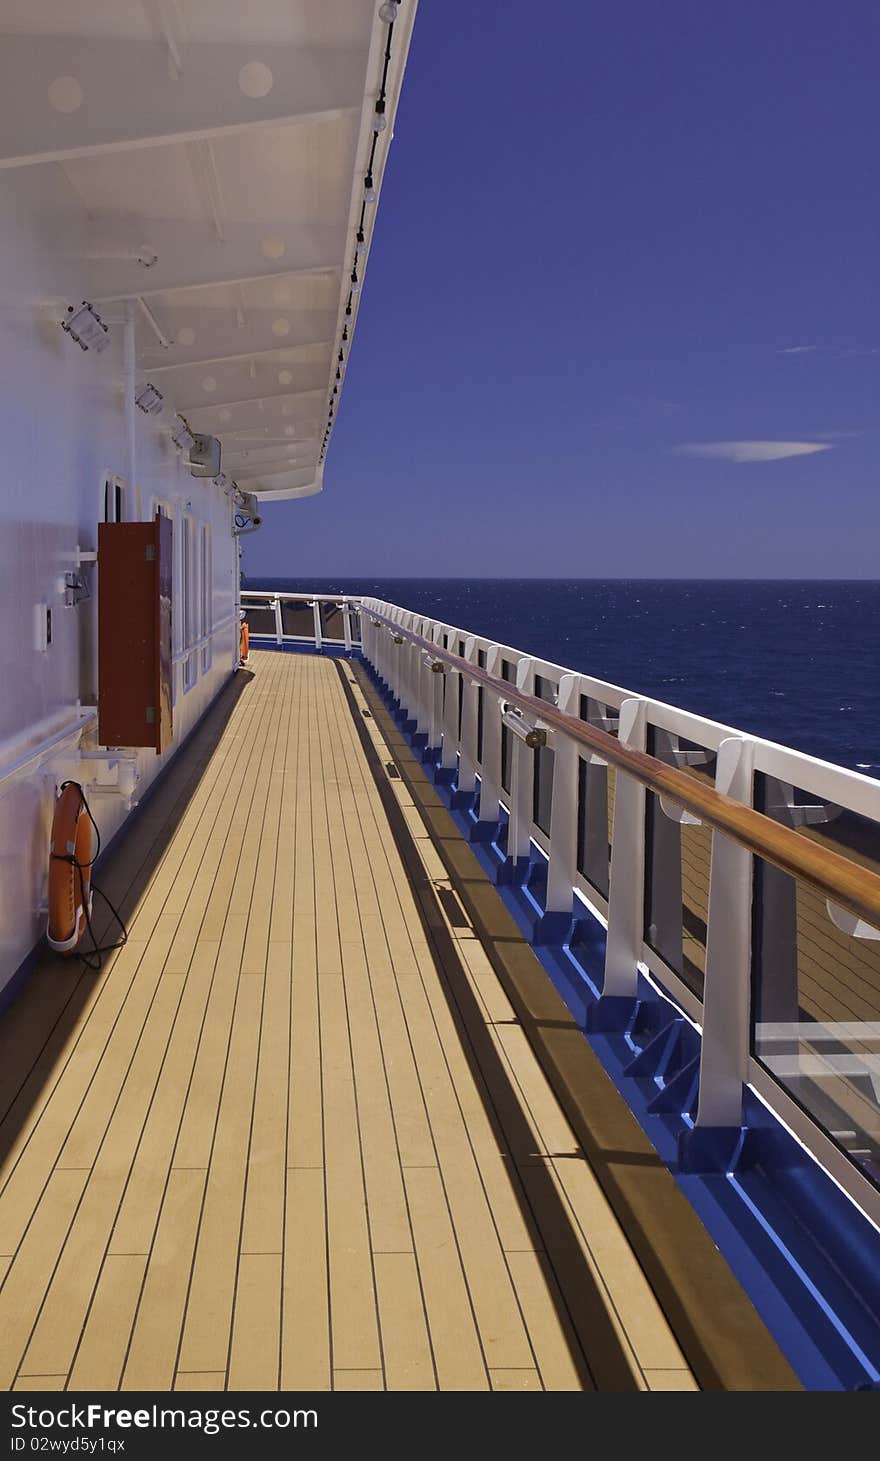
(149, 400)
(182, 436)
(85, 326)
(204, 456)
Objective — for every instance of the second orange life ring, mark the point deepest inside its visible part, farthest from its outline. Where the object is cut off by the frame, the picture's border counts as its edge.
(244, 642)
(70, 870)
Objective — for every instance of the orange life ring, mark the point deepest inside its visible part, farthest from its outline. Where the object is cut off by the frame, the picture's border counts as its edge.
(70, 870)
(244, 642)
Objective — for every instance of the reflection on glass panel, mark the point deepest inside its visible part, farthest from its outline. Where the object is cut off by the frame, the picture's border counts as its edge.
(542, 786)
(260, 621)
(297, 619)
(817, 987)
(677, 866)
(508, 672)
(595, 803)
(355, 620)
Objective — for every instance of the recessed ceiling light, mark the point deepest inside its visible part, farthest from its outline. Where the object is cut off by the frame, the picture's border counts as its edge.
(255, 79)
(186, 336)
(66, 94)
(224, 414)
(281, 327)
(209, 383)
(272, 246)
(285, 377)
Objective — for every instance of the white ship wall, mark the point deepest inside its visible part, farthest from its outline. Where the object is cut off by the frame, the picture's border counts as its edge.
(62, 431)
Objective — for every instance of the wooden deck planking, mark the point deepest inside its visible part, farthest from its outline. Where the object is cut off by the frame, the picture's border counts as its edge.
(268, 1147)
(61, 1075)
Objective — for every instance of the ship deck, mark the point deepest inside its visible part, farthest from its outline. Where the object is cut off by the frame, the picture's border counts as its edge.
(295, 1134)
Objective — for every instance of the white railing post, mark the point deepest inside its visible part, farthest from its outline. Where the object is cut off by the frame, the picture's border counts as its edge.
(346, 626)
(626, 892)
(467, 760)
(316, 614)
(279, 622)
(423, 684)
(564, 806)
(490, 776)
(435, 693)
(724, 1055)
(450, 684)
(522, 775)
(388, 671)
(397, 660)
(408, 680)
(368, 636)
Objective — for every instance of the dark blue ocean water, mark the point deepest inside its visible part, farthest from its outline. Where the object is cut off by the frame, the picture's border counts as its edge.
(794, 661)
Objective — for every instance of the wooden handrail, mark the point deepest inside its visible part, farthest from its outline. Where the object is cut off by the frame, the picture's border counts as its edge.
(837, 877)
(269, 594)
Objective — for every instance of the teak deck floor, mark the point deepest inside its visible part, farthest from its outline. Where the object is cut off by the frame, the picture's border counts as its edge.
(258, 1149)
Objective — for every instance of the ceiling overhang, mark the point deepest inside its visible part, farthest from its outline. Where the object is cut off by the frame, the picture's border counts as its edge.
(220, 152)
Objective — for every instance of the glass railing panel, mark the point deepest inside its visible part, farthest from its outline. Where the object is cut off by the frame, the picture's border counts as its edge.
(677, 862)
(508, 673)
(260, 620)
(542, 784)
(297, 619)
(595, 803)
(816, 1004)
(332, 625)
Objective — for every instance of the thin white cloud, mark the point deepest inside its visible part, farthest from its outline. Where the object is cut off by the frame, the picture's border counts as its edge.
(752, 451)
(837, 350)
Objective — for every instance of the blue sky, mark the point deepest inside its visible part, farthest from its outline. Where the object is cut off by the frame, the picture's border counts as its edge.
(620, 249)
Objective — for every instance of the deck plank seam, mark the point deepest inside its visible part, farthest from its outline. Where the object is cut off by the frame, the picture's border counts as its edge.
(209, 991)
(383, 1060)
(436, 1166)
(323, 784)
(278, 721)
(290, 795)
(347, 704)
(171, 1165)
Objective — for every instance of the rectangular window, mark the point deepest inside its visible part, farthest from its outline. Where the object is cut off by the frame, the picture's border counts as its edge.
(113, 499)
(188, 598)
(206, 585)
